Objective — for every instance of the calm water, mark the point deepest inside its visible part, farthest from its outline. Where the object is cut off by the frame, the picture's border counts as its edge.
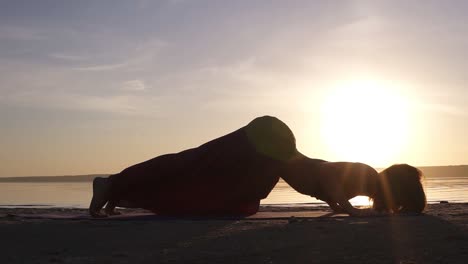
(78, 194)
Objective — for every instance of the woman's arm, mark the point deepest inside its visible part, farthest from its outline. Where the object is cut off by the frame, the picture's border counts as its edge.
(341, 181)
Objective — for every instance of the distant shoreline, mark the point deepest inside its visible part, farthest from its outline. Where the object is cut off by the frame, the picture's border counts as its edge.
(428, 171)
(70, 178)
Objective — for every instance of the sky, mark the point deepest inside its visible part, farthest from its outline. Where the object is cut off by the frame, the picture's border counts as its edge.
(96, 86)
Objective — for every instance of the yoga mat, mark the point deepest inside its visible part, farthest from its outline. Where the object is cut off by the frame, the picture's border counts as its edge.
(149, 216)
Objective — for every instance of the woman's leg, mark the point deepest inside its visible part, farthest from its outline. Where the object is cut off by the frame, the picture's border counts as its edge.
(100, 196)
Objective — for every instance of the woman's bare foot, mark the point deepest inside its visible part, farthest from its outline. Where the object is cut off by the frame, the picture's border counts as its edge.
(100, 196)
(110, 208)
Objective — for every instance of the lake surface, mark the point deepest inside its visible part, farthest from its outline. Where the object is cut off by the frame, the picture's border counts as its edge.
(78, 194)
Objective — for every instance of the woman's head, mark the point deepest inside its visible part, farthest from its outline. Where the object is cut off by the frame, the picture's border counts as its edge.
(400, 190)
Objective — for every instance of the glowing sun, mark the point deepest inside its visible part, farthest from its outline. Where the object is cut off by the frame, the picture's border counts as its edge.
(365, 121)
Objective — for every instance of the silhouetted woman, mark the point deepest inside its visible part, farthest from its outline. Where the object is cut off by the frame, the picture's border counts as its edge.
(231, 174)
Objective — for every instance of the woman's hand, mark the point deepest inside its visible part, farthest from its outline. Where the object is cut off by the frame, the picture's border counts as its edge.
(352, 211)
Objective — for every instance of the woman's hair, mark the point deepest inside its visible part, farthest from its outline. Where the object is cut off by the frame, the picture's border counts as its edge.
(400, 190)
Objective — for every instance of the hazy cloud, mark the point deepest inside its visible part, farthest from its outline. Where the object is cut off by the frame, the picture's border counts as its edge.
(134, 85)
(20, 33)
(68, 57)
(444, 109)
(134, 57)
(101, 67)
(122, 104)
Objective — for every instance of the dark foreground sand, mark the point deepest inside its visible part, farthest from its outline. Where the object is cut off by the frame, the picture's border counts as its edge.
(440, 236)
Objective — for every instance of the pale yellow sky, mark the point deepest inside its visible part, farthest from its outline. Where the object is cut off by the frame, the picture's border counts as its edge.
(84, 90)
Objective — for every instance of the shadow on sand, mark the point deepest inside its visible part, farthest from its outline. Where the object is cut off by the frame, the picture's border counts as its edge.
(399, 239)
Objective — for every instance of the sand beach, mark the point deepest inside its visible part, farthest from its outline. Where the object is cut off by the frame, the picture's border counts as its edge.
(311, 236)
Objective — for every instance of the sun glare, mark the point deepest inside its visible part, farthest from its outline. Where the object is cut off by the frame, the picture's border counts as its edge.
(365, 121)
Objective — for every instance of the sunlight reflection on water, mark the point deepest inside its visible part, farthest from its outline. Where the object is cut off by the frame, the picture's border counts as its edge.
(78, 194)
(283, 194)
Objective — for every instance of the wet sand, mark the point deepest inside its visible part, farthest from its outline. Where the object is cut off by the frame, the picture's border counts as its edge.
(439, 236)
